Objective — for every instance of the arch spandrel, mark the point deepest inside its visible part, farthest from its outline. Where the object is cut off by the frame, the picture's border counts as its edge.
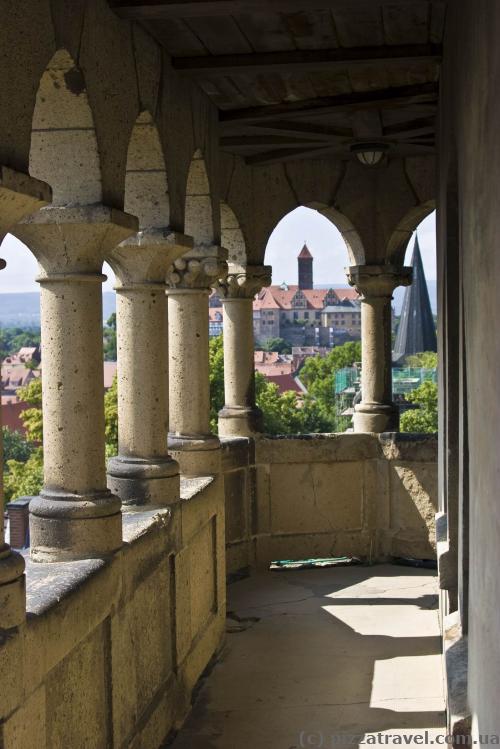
(64, 150)
(198, 221)
(231, 236)
(146, 185)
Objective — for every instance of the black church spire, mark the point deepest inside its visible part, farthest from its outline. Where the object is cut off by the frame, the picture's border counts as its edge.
(416, 332)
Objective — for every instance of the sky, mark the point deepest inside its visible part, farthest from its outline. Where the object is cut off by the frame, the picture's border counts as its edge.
(328, 248)
(299, 226)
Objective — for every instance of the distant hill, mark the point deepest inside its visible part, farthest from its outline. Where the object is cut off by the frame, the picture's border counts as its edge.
(23, 310)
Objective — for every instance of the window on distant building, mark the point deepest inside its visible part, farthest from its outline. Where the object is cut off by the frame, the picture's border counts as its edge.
(306, 315)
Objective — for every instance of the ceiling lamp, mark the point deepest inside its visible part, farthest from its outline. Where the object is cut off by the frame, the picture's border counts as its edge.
(370, 154)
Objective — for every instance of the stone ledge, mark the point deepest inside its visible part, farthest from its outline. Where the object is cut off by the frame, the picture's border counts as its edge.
(456, 672)
(316, 448)
(236, 452)
(421, 448)
(47, 584)
(190, 487)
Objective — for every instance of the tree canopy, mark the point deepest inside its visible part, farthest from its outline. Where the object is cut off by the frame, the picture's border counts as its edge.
(277, 344)
(425, 418)
(426, 360)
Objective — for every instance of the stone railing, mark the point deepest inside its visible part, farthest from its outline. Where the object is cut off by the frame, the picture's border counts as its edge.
(364, 495)
(110, 651)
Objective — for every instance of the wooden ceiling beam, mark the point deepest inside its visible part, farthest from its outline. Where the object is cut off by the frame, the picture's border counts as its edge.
(378, 99)
(165, 9)
(266, 141)
(309, 130)
(304, 60)
(277, 156)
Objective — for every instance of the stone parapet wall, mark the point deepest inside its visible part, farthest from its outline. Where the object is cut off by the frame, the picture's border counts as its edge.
(364, 495)
(111, 651)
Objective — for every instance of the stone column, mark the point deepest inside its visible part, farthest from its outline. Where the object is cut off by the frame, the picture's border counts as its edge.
(376, 283)
(20, 195)
(76, 516)
(143, 472)
(190, 439)
(240, 416)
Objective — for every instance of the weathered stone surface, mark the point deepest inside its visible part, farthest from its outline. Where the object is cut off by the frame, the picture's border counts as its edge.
(236, 513)
(316, 498)
(78, 697)
(316, 448)
(27, 727)
(413, 496)
(414, 447)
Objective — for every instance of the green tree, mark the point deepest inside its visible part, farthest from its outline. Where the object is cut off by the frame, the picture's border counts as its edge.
(426, 360)
(425, 418)
(111, 419)
(15, 446)
(277, 344)
(24, 478)
(216, 361)
(32, 417)
(318, 375)
(12, 339)
(109, 338)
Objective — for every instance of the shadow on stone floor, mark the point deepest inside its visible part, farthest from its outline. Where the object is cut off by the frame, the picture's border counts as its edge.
(314, 654)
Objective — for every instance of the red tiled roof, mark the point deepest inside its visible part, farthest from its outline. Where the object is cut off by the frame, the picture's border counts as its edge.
(266, 357)
(304, 253)
(284, 382)
(274, 297)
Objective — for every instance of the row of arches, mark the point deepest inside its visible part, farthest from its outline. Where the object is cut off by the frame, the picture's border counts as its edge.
(65, 154)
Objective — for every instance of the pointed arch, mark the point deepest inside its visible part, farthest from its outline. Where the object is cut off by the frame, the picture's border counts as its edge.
(64, 149)
(351, 237)
(146, 186)
(401, 236)
(198, 221)
(349, 234)
(231, 236)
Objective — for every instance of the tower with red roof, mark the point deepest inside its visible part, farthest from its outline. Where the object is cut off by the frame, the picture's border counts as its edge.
(305, 263)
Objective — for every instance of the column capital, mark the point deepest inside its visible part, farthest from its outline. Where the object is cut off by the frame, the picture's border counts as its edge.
(378, 281)
(199, 268)
(244, 282)
(20, 195)
(145, 257)
(74, 239)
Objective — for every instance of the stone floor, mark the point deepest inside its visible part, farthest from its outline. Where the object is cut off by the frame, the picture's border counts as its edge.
(323, 658)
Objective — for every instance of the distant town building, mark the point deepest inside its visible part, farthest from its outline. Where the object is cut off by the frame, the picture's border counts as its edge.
(417, 331)
(343, 316)
(300, 314)
(279, 369)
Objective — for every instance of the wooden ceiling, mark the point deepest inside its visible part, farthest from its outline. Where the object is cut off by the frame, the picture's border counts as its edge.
(305, 78)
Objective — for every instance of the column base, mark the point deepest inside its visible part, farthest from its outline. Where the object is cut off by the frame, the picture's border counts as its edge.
(65, 527)
(197, 455)
(12, 588)
(142, 482)
(376, 417)
(240, 422)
